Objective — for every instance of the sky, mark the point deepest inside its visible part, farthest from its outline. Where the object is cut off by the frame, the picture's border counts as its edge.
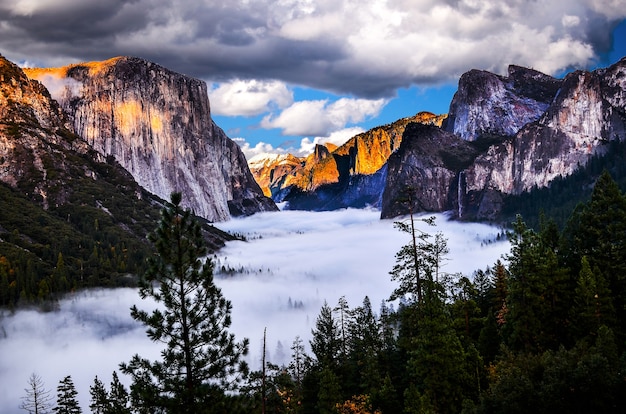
(284, 75)
(323, 256)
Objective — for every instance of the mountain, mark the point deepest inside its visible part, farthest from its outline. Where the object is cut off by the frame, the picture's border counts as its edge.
(351, 175)
(503, 137)
(157, 124)
(526, 131)
(69, 216)
(489, 104)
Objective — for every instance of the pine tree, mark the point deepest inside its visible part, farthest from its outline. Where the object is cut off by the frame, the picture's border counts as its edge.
(118, 397)
(412, 261)
(99, 402)
(326, 343)
(597, 230)
(365, 347)
(593, 306)
(298, 366)
(537, 308)
(201, 358)
(329, 392)
(344, 316)
(66, 397)
(37, 399)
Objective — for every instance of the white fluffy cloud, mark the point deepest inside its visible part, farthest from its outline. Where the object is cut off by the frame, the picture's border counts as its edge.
(321, 117)
(304, 147)
(249, 97)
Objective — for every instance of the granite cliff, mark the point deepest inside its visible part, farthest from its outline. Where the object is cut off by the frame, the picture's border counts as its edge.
(525, 131)
(69, 216)
(157, 124)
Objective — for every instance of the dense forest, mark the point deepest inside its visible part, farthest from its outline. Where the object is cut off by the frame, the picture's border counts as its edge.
(541, 331)
(96, 239)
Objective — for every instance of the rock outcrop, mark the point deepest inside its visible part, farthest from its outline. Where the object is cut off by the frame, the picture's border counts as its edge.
(156, 123)
(424, 173)
(489, 104)
(35, 139)
(61, 177)
(514, 144)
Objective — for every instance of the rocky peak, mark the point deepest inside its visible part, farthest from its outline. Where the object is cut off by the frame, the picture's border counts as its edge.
(489, 104)
(580, 118)
(23, 100)
(156, 123)
(426, 166)
(320, 153)
(34, 139)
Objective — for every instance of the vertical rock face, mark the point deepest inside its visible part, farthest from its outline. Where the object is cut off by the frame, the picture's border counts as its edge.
(423, 173)
(156, 123)
(486, 103)
(587, 113)
(520, 132)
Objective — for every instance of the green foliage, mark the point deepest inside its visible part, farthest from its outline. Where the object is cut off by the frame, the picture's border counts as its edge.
(201, 358)
(66, 397)
(542, 331)
(536, 293)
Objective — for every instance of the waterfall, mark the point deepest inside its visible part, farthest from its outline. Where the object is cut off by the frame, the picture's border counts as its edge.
(460, 193)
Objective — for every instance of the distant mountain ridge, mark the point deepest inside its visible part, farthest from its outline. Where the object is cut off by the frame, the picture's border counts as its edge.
(332, 177)
(502, 137)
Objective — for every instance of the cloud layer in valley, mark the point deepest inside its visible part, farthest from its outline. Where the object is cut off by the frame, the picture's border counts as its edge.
(291, 263)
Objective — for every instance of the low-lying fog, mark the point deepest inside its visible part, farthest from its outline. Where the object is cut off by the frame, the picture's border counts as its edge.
(278, 279)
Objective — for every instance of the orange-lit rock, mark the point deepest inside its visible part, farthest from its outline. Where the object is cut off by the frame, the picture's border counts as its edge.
(157, 124)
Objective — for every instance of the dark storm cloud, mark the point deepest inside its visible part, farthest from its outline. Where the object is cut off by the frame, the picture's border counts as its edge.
(367, 49)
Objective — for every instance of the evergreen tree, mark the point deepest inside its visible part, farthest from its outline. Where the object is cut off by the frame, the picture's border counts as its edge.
(537, 300)
(326, 343)
(437, 364)
(99, 402)
(66, 397)
(344, 316)
(329, 394)
(201, 358)
(118, 397)
(412, 260)
(365, 346)
(37, 399)
(597, 229)
(297, 367)
(593, 306)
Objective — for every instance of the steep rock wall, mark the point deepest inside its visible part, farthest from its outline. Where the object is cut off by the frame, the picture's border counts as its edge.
(156, 123)
(526, 135)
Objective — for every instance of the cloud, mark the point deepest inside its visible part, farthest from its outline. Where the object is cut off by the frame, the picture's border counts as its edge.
(292, 263)
(365, 49)
(321, 117)
(249, 97)
(306, 144)
(59, 87)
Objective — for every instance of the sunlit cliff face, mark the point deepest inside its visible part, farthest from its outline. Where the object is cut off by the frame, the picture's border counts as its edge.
(363, 154)
(157, 124)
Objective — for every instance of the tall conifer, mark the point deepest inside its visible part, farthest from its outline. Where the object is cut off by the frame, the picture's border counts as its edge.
(201, 358)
